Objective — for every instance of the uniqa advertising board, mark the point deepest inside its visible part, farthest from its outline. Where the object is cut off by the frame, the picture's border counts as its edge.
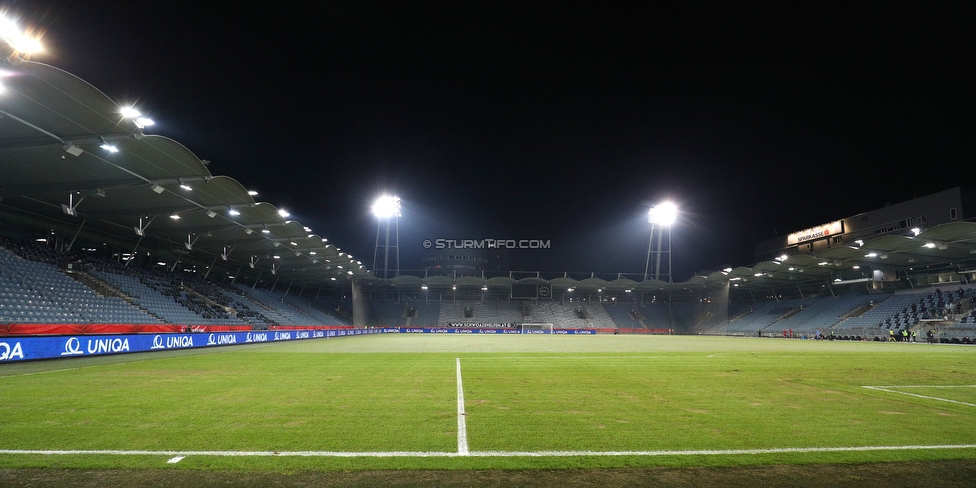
(30, 348)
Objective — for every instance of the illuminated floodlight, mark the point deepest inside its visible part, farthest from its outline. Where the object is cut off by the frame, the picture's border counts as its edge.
(284, 213)
(916, 231)
(27, 45)
(109, 147)
(129, 112)
(175, 216)
(663, 214)
(929, 245)
(186, 187)
(144, 122)
(871, 255)
(20, 40)
(386, 207)
(233, 213)
(8, 28)
(252, 193)
(265, 231)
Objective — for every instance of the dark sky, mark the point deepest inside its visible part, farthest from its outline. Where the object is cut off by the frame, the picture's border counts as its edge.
(562, 122)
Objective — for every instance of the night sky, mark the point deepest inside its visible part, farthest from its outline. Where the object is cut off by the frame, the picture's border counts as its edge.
(560, 122)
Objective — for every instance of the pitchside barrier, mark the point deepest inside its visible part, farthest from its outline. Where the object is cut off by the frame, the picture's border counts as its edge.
(472, 330)
(509, 330)
(23, 348)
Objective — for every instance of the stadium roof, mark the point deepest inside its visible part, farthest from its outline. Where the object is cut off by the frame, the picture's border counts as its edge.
(68, 154)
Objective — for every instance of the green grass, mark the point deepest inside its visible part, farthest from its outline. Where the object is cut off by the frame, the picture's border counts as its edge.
(522, 393)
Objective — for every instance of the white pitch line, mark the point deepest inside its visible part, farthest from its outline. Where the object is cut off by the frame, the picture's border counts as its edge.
(390, 454)
(882, 388)
(462, 437)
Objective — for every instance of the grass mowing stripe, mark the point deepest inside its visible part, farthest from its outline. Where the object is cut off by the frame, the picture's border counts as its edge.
(703, 452)
(462, 424)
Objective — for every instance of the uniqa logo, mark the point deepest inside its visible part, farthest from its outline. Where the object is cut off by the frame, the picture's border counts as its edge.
(105, 346)
(257, 337)
(221, 339)
(179, 341)
(11, 352)
(72, 347)
(158, 343)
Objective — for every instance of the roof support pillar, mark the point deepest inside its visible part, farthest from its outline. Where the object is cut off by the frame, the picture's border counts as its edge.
(72, 243)
(134, 250)
(257, 279)
(205, 275)
(232, 280)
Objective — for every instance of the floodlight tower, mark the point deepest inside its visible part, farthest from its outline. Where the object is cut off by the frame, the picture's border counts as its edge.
(661, 217)
(387, 210)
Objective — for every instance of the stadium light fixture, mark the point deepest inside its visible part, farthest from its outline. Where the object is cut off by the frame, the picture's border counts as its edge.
(129, 112)
(386, 207)
(21, 41)
(252, 193)
(663, 214)
(109, 147)
(284, 213)
(72, 149)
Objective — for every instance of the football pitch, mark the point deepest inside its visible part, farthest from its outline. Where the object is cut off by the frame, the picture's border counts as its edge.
(493, 402)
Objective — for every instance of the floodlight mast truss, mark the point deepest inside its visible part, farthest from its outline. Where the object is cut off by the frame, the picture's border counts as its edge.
(661, 217)
(387, 211)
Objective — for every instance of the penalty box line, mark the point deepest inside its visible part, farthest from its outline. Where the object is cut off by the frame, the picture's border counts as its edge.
(892, 389)
(423, 454)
